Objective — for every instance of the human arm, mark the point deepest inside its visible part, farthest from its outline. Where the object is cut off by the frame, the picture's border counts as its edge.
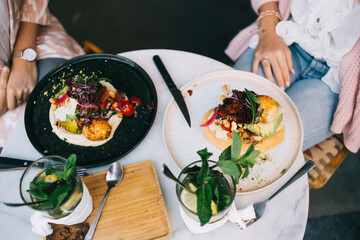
(23, 74)
(4, 76)
(272, 46)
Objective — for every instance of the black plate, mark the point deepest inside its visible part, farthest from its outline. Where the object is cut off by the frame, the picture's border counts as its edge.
(126, 76)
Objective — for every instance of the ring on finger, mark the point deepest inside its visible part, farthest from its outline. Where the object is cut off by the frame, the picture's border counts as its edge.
(265, 59)
(18, 102)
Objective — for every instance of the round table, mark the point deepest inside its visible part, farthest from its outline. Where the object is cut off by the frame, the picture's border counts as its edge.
(285, 216)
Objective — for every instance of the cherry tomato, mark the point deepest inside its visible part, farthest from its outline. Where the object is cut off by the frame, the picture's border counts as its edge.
(225, 128)
(128, 109)
(229, 134)
(103, 104)
(136, 100)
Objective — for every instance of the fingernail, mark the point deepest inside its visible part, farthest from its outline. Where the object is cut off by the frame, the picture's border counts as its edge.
(292, 70)
(287, 84)
(5, 69)
(282, 88)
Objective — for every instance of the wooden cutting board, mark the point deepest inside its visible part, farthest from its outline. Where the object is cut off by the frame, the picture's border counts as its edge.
(135, 209)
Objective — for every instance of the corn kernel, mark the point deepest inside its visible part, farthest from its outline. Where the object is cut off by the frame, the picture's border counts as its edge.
(111, 94)
(225, 89)
(115, 105)
(52, 100)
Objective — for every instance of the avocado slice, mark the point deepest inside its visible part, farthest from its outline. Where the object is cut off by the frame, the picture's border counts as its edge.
(70, 126)
(265, 129)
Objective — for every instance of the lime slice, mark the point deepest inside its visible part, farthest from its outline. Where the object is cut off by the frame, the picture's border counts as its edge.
(51, 178)
(214, 207)
(70, 126)
(189, 200)
(192, 187)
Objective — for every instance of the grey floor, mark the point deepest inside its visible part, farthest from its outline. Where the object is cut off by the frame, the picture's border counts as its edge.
(205, 27)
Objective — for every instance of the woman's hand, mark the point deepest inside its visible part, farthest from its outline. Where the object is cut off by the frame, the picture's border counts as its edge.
(4, 76)
(22, 80)
(271, 50)
(275, 57)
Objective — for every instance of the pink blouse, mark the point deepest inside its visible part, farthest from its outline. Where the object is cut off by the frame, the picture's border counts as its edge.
(52, 42)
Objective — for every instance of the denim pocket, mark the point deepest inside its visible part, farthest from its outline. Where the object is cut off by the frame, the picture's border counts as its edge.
(317, 69)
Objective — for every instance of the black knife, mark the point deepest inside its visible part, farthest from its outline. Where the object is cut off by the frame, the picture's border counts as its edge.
(6, 162)
(173, 89)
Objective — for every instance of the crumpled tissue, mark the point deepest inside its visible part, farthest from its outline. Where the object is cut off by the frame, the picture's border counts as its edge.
(233, 215)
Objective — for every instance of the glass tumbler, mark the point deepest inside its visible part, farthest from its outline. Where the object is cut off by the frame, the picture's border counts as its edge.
(231, 189)
(38, 171)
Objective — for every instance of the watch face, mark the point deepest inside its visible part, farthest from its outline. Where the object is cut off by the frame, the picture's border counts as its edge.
(29, 54)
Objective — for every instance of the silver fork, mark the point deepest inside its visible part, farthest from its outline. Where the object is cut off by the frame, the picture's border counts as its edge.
(260, 207)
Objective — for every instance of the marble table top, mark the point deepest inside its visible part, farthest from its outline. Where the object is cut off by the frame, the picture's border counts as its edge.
(285, 216)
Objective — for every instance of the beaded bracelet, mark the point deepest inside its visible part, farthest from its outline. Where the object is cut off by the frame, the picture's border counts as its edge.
(268, 13)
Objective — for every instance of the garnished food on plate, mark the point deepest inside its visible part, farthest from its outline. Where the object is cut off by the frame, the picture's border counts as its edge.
(88, 110)
(257, 119)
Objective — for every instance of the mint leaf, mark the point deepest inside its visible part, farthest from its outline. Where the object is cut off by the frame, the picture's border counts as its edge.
(226, 154)
(194, 169)
(216, 194)
(69, 166)
(204, 170)
(221, 186)
(250, 155)
(59, 194)
(49, 170)
(246, 173)
(236, 146)
(229, 167)
(204, 197)
(223, 202)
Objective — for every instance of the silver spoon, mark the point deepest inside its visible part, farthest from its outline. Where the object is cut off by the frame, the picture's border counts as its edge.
(113, 178)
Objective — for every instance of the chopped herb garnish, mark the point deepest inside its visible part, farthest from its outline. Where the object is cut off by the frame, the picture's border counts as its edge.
(283, 171)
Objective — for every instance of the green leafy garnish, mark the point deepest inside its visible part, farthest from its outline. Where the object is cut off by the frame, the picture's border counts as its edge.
(204, 197)
(253, 101)
(211, 186)
(69, 166)
(232, 163)
(55, 190)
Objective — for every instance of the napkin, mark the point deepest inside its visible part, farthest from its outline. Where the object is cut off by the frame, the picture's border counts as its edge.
(40, 220)
(233, 215)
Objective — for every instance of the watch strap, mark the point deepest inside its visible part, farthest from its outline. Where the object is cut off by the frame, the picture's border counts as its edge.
(17, 53)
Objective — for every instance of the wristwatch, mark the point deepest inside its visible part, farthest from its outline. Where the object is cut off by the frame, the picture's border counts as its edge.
(27, 54)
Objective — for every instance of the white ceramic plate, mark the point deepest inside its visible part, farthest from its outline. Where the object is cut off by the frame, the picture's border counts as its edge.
(183, 142)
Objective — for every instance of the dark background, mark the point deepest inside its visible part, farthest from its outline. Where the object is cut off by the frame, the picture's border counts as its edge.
(205, 27)
(200, 26)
